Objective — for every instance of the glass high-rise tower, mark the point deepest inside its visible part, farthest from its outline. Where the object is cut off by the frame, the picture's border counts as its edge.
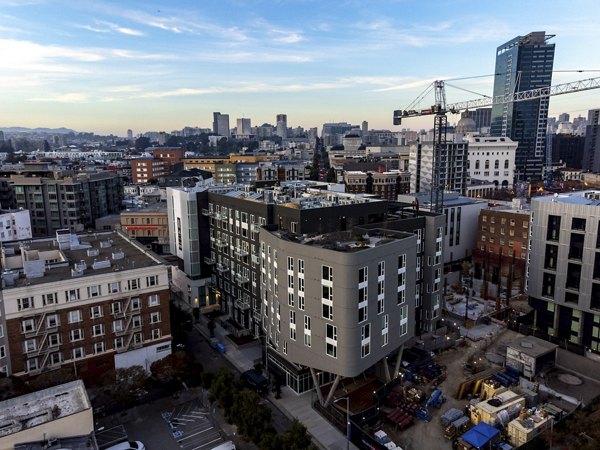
(524, 63)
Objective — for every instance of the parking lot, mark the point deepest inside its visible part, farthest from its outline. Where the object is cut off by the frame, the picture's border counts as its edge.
(192, 427)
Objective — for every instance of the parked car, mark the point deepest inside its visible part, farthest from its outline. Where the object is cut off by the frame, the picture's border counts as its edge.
(132, 445)
(254, 380)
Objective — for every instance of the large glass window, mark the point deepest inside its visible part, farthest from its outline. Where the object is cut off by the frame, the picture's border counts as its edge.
(553, 233)
(551, 256)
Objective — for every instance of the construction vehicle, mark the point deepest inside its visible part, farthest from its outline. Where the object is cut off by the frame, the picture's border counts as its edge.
(456, 428)
(436, 400)
(440, 125)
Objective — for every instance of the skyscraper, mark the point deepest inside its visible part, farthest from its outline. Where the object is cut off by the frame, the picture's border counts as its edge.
(129, 135)
(281, 129)
(244, 129)
(524, 63)
(221, 124)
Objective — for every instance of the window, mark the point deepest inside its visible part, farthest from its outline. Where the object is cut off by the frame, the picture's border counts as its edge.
(553, 232)
(331, 340)
(96, 312)
(135, 303)
(2, 351)
(293, 325)
(151, 281)
(49, 299)
(403, 320)
(98, 330)
(365, 335)
(54, 340)
(153, 300)
(133, 284)
(381, 269)
(32, 364)
(72, 295)
(99, 347)
(25, 303)
(75, 316)
(136, 321)
(300, 266)
(155, 317)
(118, 343)
(327, 273)
(78, 352)
(115, 307)
(117, 326)
(385, 329)
(94, 291)
(114, 288)
(578, 224)
(76, 335)
(30, 345)
(307, 331)
(548, 282)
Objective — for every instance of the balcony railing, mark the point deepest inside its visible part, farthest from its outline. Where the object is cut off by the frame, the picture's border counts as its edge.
(208, 260)
(222, 267)
(240, 278)
(240, 304)
(241, 251)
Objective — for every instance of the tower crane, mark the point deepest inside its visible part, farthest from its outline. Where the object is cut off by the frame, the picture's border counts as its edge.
(440, 109)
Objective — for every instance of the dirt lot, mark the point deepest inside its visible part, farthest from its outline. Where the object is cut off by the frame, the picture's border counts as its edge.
(430, 435)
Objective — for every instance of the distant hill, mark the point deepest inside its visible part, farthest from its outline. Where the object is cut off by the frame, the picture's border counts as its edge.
(61, 130)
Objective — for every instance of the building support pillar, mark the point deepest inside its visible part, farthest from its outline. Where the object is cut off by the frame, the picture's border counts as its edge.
(332, 390)
(386, 368)
(398, 361)
(315, 379)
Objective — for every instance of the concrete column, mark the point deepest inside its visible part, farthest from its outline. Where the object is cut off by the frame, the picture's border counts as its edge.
(317, 386)
(397, 366)
(332, 390)
(386, 368)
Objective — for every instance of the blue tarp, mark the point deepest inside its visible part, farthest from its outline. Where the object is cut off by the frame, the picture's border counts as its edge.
(480, 435)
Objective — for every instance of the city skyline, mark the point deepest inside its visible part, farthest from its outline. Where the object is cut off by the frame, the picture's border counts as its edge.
(103, 67)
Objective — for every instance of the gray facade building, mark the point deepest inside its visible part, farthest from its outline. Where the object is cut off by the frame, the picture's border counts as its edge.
(221, 124)
(524, 63)
(563, 268)
(591, 151)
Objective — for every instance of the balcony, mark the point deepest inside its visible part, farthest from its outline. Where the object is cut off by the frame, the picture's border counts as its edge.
(209, 261)
(206, 212)
(241, 251)
(220, 243)
(242, 279)
(240, 304)
(222, 268)
(255, 228)
(255, 259)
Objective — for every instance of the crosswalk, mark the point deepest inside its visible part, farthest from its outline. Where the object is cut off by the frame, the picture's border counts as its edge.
(191, 427)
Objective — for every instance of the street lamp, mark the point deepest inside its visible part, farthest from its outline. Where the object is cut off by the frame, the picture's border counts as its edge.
(347, 419)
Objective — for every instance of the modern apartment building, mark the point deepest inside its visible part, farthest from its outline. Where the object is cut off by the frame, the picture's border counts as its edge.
(563, 270)
(92, 302)
(336, 304)
(15, 225)
(453, 174)
(524, 63)
(73, 202)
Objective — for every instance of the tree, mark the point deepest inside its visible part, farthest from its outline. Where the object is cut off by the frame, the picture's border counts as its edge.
(223, 389)
(252, 419)
(174, 141)
(123, 385)
(313, 173)
(52, 378)
(142, 143)
(177, 365)
(331, 175)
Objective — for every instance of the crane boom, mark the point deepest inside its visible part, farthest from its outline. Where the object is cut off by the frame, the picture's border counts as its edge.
(441, 108)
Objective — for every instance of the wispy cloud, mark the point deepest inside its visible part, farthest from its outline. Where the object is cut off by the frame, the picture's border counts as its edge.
(107, 27)
(73, 97)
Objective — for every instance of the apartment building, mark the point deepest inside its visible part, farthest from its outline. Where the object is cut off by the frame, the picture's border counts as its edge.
(500, 255)
(145, 169)
(15, 225)
(563, 268)
(492, 160)
(73, 202)
(92, 302)
(150, 226)
(386, 185)
(337, 304)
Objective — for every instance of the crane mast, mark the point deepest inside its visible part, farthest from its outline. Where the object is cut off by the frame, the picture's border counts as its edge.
(440, 125)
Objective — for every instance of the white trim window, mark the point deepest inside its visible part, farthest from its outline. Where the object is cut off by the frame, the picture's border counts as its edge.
(307, 332)
(365, 340)
(75, 316)
(153, 300)
(331, 340)
(155, 317)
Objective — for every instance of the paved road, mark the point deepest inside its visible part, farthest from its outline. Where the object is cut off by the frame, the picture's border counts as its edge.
(192, 426)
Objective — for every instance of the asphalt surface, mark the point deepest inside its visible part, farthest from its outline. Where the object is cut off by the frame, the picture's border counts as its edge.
(186, 420)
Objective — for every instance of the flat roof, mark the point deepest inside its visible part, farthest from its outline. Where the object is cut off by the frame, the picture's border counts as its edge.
(86, 442)
(54, 259)
(30, 410)
(532, 346)
(587, 198)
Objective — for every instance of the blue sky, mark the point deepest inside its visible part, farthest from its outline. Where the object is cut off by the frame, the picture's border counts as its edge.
(107, 66)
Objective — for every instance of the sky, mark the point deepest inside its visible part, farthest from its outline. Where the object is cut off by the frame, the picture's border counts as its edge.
(107, 66)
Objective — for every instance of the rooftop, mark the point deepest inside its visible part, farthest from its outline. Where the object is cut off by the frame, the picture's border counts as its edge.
(532, 346)
(346, 241)
(69, 256)
(70, 443)
(30, 410)
(586, 198)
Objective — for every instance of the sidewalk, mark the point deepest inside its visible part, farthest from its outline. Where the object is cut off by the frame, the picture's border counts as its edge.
(324, 435)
